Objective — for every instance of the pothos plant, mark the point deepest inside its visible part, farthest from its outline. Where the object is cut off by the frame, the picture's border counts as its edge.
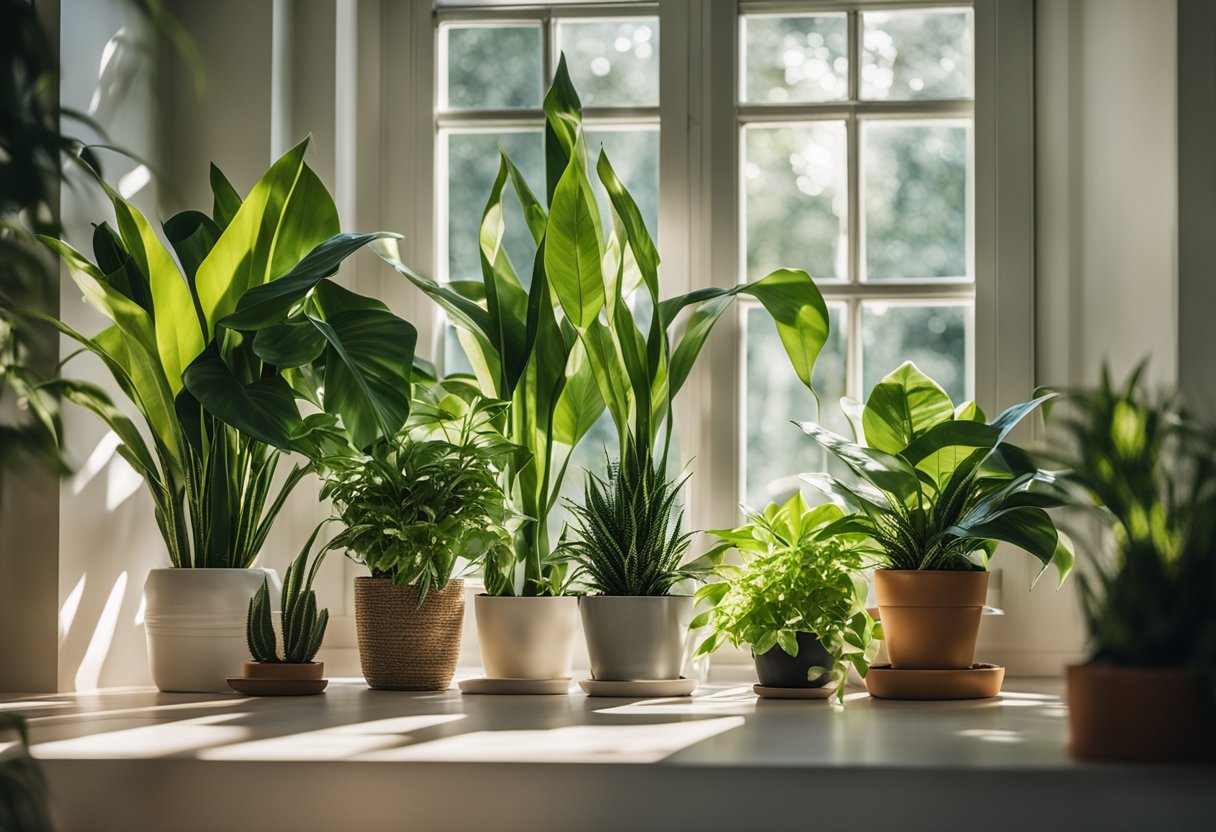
(801, 571)
(569, 346)
(215, 338)
(939, 486)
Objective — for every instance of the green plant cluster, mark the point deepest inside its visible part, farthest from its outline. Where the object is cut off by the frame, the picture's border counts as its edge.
(938, 486)
(1148, 468)
(629, 537)
(800, 573)
(417, 505)
(303, 625)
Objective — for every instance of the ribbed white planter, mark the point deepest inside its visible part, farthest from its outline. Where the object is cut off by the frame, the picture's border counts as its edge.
(527, 638)
(195, 623)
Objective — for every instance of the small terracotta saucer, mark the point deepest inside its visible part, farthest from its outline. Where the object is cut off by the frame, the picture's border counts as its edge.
(639, 688)
(980, 681)
(824, 692)
(516, 687)
(276, 687)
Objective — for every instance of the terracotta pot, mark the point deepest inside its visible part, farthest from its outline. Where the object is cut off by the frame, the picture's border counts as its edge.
(527, 638)
(404, 646)
(195, 624)
(281, 679)
(295, 671)
(778, 669)
(930, 620)
(635, 637)
(1146, 714)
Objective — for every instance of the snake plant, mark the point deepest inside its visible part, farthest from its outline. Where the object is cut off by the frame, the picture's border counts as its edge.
(303, 625)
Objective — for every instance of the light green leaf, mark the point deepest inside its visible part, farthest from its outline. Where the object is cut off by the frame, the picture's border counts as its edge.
(902, 407)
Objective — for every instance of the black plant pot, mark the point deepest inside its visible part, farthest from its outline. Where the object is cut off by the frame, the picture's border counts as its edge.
(778, 669)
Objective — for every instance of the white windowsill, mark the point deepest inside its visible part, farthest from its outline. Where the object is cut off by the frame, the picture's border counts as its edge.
(359, 759)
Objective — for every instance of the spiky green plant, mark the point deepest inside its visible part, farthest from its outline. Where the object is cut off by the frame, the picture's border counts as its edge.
(303, 626)
(629, 537)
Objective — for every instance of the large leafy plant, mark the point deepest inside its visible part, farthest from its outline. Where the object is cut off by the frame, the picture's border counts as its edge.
(214, 342)
(629, 537)
(800, 573)
(1148, 469)
(939, 486)
(569, 345)
(418, 505)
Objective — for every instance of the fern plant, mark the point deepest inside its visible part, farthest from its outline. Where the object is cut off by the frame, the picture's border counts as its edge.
(629, 537)
(303, 626)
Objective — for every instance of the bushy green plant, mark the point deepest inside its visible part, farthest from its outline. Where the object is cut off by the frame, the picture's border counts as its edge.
(1148, 469)
(415, 505)
(939, 486)
(215, 342)
(801, 572)
(569, 346)
(303, 625)
(628, 530)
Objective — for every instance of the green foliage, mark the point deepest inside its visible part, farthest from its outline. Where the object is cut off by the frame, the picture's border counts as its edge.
(303, 626)
(570, 345)
(417, 504)
(938, 487)
(1149, 470)
(801, 572)
(629, 537)
(215, 345)
(24, 796)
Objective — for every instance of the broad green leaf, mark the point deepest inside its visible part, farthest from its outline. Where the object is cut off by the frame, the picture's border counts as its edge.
(270, 303)
(692, 339)
(462, 311)
(573, 257)
(644, 251)
(506, 300)
(563, 117)
(798, 309)
(580, 404)
(902, 407)
(1028, 528)
(886, 472)
(264, 410)
(291, 344)
(226, 200)
(534, 212)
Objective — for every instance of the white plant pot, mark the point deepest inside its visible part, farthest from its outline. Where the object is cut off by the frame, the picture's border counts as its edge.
(632, 638)
(195, 623)
(527, 638)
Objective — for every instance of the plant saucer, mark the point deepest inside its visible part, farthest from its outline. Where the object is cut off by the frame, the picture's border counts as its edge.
(516, 687)
(980, 681)
(824, 692)
(639, 688)
(276, 687)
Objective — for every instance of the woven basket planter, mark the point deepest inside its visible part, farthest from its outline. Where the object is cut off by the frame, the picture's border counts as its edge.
(403, 646)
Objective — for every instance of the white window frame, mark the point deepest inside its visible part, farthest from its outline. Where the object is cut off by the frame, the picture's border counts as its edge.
(699, 209)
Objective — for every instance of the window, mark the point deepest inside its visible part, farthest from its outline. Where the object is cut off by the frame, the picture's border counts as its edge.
(856, 148)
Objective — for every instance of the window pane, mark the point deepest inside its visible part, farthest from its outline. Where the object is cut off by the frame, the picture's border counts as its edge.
(795, 199)
(493, 66)
(634, 154)
(915, 200)
(613, 63)
(802, 58)
(472, 165)
(777, 452)
(934, 337)
(916, 54)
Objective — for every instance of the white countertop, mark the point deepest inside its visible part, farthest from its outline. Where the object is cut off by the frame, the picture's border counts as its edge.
(355, 758)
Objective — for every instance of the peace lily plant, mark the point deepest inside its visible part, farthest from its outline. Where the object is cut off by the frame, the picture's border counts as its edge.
(938, 487)
(567, 346)
(213, 341)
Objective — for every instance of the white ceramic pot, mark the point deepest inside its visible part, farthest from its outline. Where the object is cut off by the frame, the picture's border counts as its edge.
(631, 638)
(195, 623)
(527, 638)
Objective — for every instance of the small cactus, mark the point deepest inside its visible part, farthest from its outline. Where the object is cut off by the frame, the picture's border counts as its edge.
(303, 626)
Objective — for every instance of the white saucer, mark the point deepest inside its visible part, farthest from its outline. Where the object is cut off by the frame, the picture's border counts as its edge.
(639, 688)
(824, 692)
(516, 687)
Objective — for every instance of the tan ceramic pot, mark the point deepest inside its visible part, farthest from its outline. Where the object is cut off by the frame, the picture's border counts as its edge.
(527, 638)
(930, 620)
(1145, 714)
(404, 645)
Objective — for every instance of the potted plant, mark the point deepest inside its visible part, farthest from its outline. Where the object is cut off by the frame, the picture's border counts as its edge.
(629, 547)
(937, 487)
(303, 626)
(568, 347)
(797, 599)
(1148, 468)
(416, 508)
(212, 344)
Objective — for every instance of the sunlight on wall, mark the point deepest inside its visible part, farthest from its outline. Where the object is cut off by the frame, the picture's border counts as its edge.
(89, 671)
(67, 613)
